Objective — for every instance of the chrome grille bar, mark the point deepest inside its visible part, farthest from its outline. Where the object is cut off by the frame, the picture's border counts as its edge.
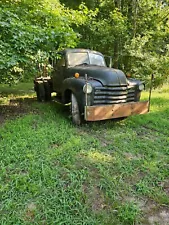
(113, 95)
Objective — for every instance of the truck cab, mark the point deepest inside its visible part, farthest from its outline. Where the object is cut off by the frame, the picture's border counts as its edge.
(96, 92)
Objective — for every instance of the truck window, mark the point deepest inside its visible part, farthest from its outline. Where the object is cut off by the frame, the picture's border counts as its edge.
(97, 59)
(61, 62)
(77, 58)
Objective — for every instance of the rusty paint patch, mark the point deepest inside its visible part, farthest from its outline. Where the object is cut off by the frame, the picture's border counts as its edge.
(94, 113)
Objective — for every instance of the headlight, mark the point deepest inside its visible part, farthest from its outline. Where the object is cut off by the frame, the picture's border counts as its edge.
(141, 87)
(87, 88)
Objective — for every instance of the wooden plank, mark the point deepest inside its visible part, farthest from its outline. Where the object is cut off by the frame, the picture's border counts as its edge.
(94, 113)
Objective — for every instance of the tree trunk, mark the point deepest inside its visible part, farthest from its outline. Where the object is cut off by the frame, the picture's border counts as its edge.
(115, 57)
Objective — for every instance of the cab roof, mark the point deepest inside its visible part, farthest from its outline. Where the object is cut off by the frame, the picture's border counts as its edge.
(78, 50)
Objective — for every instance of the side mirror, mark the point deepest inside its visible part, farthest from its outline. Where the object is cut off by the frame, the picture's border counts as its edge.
(108, 60)
(110, 63)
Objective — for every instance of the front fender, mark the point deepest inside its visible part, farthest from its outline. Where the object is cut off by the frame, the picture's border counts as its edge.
(75, 85)
(136, 83)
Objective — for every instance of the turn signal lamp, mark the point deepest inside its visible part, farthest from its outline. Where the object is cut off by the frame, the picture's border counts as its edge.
(77, 75)
(128, 75)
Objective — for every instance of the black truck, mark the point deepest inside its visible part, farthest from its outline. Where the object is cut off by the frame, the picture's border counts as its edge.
(96, 92)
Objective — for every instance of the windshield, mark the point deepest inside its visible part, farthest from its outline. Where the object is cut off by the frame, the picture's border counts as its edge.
(83, 58)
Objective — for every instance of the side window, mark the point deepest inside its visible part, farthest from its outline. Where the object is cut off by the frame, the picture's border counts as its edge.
(61, 61)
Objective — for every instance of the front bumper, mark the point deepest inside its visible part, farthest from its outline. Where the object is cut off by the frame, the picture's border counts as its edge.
(104, 112)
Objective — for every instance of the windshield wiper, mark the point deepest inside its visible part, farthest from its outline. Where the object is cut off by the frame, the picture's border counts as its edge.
(96, 65)
(83, 64)
(88, 64)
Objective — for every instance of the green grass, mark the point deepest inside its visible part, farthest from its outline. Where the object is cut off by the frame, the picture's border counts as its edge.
(102, 173)
(17, 89)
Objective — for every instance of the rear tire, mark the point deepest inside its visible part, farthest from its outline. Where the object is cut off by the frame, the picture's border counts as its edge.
(76, 117)
(40, 91)
(47, 91)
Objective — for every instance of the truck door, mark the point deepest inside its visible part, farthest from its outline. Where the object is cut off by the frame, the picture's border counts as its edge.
(58, 73)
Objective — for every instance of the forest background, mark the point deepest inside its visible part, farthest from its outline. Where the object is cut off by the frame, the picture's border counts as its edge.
(134, 32)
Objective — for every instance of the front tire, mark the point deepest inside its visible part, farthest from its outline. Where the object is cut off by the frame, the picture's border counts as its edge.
(76, 117)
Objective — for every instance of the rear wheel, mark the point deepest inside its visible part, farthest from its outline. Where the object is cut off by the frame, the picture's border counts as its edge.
(40, 91)
(76, 117)
(47, 91)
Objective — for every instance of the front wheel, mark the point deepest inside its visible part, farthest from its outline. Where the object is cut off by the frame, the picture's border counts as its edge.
(76, 117)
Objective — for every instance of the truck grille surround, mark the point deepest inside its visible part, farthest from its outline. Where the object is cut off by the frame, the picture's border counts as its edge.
(114, 94)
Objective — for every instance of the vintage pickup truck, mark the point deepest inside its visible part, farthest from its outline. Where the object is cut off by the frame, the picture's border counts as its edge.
(96, 92)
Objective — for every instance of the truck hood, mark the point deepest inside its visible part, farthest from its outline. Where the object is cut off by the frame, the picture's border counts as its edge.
(107, 76)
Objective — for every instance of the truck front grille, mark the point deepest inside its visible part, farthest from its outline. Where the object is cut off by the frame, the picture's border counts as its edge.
(113, 95)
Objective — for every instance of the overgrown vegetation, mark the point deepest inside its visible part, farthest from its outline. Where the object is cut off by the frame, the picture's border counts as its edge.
(110, 172)
(31, 32)
(135, 33)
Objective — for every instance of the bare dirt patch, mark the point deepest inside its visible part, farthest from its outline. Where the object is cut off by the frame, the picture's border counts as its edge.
(30, 212)
(95, 198)
(152, 213)
(15, 108)
(165, 186)
(158, 216)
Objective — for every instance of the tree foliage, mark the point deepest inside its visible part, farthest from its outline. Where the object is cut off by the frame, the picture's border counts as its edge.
(135, 33)
(30, 28)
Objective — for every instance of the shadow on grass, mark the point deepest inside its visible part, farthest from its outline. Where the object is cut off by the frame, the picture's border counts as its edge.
(16, 107)
(96, 196)
(19, 106)
(156, 120)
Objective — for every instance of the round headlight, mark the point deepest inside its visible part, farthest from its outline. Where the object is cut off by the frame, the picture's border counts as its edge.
(87, 88)
(141, 87)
